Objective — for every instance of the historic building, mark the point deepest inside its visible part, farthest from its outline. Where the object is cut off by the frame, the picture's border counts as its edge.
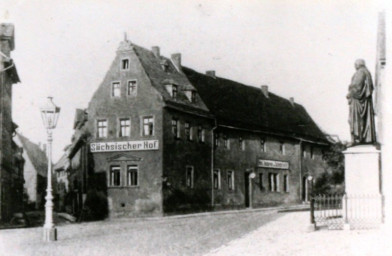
(158, 137)
(34, 172)
(11, 161)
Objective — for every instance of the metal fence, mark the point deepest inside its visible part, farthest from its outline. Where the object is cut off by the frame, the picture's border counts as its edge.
(327, 211)
(356, 211)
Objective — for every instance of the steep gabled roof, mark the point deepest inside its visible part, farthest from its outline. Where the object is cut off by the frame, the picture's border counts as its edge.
(242, 106)
(36, 154)
(159, 78)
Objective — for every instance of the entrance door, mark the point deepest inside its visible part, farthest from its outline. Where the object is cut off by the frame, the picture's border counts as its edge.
(246, 189)
(305, 190)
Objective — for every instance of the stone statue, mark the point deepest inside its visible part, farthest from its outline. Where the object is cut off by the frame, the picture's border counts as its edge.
(361, 117)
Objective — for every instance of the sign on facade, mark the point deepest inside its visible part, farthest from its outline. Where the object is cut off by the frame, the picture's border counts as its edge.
(124, 146)
(272, 164)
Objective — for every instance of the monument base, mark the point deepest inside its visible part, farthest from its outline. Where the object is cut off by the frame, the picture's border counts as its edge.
(362, 204)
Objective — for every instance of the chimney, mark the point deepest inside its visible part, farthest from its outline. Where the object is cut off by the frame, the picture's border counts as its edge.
(176, 59)
(155, 50)
(292, 101)
(211, 73)
(264, 89)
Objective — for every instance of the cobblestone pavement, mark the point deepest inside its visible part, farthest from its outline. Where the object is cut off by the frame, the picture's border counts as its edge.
(290, 235)
(177, 235)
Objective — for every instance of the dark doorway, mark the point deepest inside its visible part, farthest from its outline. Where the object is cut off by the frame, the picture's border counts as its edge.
(304, 189)
(246, 189)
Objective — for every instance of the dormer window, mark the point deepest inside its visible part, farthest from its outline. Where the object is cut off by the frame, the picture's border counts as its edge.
(125, 64)
(191, 95)
(172, 90)
(164, 65)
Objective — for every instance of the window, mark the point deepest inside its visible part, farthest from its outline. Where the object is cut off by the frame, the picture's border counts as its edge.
(187, 131)
(115, 176)
(200, 134)
(176, 128)
(242, 143)
(174, 91)
(193, 96)
(311, 153)
(216, 140)
(125, 128)
(217, 179)
(281, 148)
(148, 126)
(102, 128)
(131, 88)
(286, 183)
(230, 180)
(191, 132)
(226, 142)
(261, 183)
(273, 179)
(125, 64)
(132, 175)
(116, 91)
(263, 145)
(189, 176)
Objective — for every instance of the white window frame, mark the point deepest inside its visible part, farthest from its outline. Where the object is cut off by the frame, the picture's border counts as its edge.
(122, 63)
(187, 130)
(226, 142)
(120, 133)
(105, 133)
(132, 168)
(112, 175)
(134, 81)
(175, 122)
(112, 91)
(189, 177)
(153, 125)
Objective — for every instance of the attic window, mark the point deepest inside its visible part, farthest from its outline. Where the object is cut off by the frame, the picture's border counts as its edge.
(191, 95)
(172, 90)
(124, 64)
(164, 65)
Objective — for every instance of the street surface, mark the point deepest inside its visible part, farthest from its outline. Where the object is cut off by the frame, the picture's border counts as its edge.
(193, 235)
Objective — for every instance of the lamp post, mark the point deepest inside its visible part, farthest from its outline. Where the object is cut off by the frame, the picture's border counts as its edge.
(49, 113)
(310, 188)
(252, 175)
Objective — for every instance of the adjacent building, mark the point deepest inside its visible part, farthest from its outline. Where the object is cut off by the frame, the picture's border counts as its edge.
(11, 162)
(34, 172)
(158, 137)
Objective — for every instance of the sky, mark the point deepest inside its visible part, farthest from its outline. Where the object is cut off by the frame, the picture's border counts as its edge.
(300, 48)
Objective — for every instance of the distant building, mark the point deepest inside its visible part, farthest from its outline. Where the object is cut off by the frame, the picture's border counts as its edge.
(158, 137)
(11, 163)
(34, 172)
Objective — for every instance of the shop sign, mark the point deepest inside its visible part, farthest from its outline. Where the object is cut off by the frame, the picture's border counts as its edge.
(124, 146)
(272, 164)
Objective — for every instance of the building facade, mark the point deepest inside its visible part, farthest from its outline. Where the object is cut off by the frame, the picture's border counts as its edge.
(34, 172)
(158, 137)
(11, 163)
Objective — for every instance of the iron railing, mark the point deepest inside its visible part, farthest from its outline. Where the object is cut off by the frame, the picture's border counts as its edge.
(354, 211)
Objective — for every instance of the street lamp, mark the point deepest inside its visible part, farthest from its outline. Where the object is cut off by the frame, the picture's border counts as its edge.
(49, 113)
(310, 188)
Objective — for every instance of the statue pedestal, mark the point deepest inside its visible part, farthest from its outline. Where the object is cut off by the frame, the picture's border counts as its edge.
(362, 204)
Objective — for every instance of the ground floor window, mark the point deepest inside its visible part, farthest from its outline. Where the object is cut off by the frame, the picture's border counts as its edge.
(230, 179)
(115, 179)
(273, 179)
(132, 175)
(286, 183)
(189, 176)
(217, 179)
(261, 183)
